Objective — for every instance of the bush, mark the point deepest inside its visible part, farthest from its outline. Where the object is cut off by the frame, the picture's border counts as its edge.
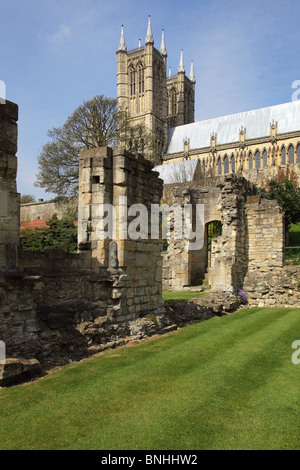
(60, 235)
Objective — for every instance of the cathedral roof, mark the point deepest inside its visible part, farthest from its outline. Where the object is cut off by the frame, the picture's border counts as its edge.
(257, 123)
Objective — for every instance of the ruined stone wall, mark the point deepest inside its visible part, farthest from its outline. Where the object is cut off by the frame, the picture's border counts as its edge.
(121, 180)
(265, 226)
(9, 198)
(252, 236)
(182, 266)
(229, 251)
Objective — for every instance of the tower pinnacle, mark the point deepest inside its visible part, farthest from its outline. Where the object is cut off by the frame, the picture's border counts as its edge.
(192, 73)
(181, 67)
(122, 45)
(163, 49)
(149, 38)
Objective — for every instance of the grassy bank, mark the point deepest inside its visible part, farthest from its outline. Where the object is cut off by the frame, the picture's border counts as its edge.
(226, 383)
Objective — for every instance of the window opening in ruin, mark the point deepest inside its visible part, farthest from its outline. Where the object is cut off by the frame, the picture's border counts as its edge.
(214, 229)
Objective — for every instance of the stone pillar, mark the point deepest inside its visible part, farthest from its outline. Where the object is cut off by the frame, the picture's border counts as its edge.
(9, 198)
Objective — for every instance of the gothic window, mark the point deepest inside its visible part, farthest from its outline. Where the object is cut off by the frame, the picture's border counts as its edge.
(257, 160)
(283, 156)
(141, 80)
(298, 153)
(250, 161)
(219, 166)
(291, 155)
(265, 159)
(233, 164)
(132, 82)
(173, 103)
(226, 165)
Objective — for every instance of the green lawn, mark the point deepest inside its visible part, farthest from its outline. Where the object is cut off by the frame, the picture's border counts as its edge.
(180, 296)
(226, 383)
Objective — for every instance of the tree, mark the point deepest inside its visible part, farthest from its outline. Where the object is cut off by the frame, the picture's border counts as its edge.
(286, 191)
(284, 188)
(27, 198)
(92, 124)
(59, 235)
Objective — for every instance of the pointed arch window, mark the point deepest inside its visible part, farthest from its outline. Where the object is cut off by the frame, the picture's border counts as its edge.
(132, 82)
(233, 164)
(265, 159)
(250, 161)
(226, 165)
(291, 155)
(257, 160)
(141, 79)
(219, 166)
(283, 156)
(173, 102)
(298, 153)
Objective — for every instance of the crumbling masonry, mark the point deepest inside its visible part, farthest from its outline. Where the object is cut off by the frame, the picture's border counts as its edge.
(56, 307)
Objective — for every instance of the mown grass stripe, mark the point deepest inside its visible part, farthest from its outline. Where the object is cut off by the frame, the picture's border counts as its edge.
(204, 386)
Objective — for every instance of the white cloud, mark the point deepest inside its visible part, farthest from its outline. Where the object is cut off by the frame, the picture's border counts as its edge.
(62, 33)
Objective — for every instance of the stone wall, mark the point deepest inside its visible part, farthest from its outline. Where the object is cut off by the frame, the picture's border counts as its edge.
(121, 180)
(181, 266)
(45, 209)
(252, 236)
(58, 307)
(9, 198)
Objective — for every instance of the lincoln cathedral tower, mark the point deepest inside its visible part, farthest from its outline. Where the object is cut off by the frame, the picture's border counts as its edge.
(152, 101)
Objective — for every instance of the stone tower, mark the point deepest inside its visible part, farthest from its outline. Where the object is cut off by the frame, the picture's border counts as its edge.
(151, 101)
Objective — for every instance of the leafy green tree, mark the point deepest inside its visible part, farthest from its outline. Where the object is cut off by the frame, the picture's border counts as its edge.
(59, 235)
(92, 124)
(27, 198)
(288, 197)
(285, 189)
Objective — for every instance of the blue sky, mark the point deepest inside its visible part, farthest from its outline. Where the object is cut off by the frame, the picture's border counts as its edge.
(56, 54)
